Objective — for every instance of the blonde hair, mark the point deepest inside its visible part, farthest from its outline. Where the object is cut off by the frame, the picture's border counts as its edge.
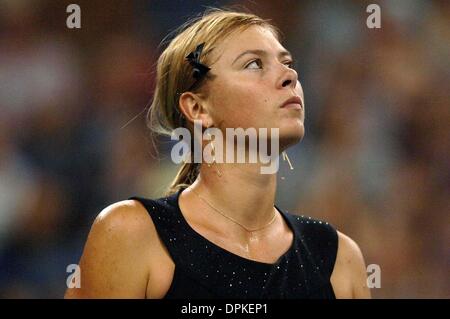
(174, 74)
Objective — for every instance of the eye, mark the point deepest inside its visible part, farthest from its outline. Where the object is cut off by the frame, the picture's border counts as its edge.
(290, 64)
(255, 64)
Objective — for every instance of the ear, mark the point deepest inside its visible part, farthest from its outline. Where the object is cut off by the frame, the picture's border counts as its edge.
(194, 107)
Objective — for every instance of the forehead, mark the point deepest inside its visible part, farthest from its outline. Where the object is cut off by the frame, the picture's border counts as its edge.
(251, 38)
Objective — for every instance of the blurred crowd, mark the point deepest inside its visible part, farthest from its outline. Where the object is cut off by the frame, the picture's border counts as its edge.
(374, 161)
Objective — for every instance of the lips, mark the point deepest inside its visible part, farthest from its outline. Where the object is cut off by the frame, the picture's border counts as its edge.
(294, 102)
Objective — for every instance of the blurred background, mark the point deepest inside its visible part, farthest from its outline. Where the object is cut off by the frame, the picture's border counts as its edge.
(374, 161)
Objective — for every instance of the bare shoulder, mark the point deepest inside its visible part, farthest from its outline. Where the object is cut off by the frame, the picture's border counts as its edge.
(115, 259)
(349, 278)
(127, 217)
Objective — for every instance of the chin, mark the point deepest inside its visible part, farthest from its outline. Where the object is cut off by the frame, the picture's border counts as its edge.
(291, 135)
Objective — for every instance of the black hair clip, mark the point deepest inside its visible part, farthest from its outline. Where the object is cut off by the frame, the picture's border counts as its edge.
(199, 69)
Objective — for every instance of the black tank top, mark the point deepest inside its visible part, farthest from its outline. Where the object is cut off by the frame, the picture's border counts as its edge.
(205, 270)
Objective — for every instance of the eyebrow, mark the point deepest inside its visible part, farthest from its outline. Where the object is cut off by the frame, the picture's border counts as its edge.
(261, 52)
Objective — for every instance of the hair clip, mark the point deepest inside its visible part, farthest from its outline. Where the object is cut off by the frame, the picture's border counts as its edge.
(199, 69)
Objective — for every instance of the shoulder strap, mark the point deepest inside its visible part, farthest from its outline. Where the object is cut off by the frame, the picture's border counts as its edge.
(320, 239)
(167, 224)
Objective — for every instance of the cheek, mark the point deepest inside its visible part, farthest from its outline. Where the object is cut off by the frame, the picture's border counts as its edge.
(239, 105)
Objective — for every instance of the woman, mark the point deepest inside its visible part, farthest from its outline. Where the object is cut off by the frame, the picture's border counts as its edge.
(217, 233)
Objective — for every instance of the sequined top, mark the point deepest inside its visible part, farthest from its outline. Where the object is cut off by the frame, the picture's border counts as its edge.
(205, 270)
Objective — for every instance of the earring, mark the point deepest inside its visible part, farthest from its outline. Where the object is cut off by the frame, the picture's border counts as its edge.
(286, 158)
(219, 173)
(214, 150)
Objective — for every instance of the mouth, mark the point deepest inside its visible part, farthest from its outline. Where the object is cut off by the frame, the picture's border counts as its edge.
(294, 102)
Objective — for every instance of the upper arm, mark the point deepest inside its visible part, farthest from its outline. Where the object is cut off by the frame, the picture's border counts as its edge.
(349, 278)
(115, 259)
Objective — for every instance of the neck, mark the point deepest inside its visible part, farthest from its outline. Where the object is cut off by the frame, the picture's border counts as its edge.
(241, 192)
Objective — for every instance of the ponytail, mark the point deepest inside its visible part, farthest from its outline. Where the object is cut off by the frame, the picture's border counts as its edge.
(186, 175)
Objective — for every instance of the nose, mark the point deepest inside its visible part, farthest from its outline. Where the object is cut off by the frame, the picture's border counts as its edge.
(288, 78)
